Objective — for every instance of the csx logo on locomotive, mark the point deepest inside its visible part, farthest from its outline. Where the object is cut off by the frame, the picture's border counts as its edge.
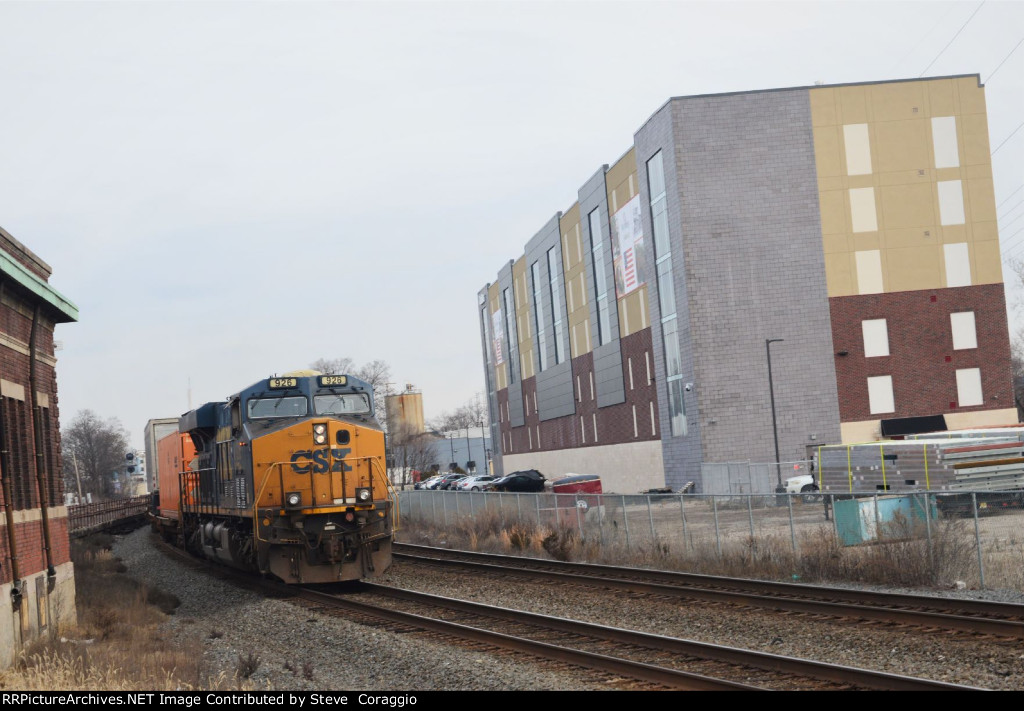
(317, 461)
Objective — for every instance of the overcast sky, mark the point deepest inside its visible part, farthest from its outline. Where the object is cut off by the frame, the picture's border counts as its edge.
(232, 190)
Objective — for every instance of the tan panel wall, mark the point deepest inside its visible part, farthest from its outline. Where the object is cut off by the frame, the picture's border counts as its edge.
(524, 319)
(577, 291)
(871, 430)
(621, 183)
(904, 179)
(60, 612)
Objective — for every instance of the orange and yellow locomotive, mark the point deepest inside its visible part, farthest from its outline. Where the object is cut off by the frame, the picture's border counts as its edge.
(288, 479)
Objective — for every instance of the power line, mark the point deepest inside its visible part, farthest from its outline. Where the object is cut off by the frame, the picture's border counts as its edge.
(1008, 137)
(1009, 196)
(1011, 209)
(1004, 61)
(952, 40)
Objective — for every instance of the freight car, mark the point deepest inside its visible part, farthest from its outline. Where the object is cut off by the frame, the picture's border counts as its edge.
(285, 478)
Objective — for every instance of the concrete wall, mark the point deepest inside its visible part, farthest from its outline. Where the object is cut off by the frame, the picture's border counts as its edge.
(23, 626)
(625, 468)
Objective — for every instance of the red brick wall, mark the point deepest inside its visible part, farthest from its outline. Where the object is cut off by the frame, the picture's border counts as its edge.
(921, 358)
(17, 422)
(614, 423)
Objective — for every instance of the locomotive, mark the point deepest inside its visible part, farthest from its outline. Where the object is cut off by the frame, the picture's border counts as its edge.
(285, 478)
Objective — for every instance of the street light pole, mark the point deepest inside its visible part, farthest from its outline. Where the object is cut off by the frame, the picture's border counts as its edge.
(775, 428)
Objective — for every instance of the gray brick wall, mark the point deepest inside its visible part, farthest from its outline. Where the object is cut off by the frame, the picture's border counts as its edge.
(743, 211)
(682, 455)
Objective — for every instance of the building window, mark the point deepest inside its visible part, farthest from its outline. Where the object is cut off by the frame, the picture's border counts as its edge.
(876, 338)
(666, 294)
(538, 316)
(964, 334)
(604, 329)
(513, 336)
(555, 275)
(880, 399)
(968, 387)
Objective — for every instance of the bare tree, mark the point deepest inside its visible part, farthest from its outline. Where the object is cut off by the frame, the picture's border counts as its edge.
(410, 451)
(98, 448)
(1017, 365)
(377, 373)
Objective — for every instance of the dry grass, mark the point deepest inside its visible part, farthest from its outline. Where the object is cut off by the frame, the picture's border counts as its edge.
(118, 643)
(905, 556)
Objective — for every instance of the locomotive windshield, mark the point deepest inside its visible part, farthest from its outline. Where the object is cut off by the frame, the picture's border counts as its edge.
(348, 404)
(277, 407)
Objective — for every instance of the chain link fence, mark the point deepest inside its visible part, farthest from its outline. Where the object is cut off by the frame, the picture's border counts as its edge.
(988, 532)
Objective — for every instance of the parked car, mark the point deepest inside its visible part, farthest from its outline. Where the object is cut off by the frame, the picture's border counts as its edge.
(427, 483)
(473, 482)
(803, 484)
(525, 480)
(447, 480)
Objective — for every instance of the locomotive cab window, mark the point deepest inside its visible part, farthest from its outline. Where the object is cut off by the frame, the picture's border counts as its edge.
(347, 404)
(277, 407)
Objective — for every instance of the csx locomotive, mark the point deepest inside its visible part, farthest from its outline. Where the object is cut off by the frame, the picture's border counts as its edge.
(287, 478)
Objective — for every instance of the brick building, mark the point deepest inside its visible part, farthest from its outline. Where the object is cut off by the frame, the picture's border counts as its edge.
(846, 232)
(37, 588)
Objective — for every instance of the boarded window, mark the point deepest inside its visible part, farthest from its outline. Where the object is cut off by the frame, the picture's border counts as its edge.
(944, 142)
(964, 334)
(876, 338)
(880, 398)
(858, 149)
(958, 264)
(862, 210)
(968, 387)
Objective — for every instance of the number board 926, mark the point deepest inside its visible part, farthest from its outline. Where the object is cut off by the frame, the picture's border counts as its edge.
(327, 381)
(282, 383)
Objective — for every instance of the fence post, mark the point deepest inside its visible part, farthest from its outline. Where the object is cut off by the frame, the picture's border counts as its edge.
(444, 510)
(650, 516)
(600, 519)
(718, 538)
(792, 529)
(928, 528)
(625, 521)
(433, 508)
(682, 514)
(977, 539)
(750, 515)
(456, 509)
(579, 516)
(519, 507)
(536, 500)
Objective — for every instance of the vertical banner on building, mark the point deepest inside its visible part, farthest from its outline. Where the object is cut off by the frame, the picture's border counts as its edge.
(497, 332)
(628, 247)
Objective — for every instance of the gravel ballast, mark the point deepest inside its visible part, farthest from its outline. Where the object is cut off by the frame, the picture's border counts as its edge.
(346, 655)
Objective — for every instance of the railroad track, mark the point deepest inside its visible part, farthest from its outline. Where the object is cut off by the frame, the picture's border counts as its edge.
(623, 658)
(995, 619)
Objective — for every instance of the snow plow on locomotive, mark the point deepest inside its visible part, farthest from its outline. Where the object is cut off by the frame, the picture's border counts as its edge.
(287, 478)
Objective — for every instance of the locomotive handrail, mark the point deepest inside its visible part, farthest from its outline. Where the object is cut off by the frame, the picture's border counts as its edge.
(392, 494)
(374, 463)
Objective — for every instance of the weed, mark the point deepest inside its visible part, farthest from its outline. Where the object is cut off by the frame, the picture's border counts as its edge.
(247, 665)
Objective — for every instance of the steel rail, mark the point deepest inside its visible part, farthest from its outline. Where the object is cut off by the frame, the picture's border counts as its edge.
(635, 670)
(840, 602)
(810, 669)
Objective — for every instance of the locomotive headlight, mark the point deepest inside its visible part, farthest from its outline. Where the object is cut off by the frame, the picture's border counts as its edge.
(364, 494)
(320, 433)
(293, 499)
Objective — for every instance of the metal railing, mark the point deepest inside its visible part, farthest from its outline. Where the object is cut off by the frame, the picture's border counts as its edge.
(90, 517)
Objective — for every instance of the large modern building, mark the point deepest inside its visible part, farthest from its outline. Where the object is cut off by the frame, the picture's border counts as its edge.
(842, 238)
(37, 586)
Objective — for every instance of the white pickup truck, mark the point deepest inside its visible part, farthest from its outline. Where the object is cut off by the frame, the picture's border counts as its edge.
(803, 484)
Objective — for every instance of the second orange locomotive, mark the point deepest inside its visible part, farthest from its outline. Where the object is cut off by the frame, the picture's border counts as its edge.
(287, 479)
